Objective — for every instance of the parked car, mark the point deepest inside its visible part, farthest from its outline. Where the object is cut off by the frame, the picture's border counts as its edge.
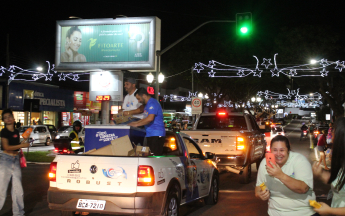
(64, 132)
(40, 134)
(53, 131)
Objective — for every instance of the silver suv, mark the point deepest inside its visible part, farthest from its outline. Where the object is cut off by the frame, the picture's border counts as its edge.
(40, 134)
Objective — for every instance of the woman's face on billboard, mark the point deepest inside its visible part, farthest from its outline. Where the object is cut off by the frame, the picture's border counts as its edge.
(75, 41)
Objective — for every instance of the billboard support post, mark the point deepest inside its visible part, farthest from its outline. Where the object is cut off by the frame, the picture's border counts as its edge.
(105, 112)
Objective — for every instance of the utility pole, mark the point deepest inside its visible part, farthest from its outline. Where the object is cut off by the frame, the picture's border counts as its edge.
(191, 70)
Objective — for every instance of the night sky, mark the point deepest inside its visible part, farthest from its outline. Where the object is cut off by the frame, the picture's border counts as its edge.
(31, 24)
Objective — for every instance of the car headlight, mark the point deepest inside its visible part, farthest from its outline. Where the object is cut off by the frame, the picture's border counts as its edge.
(57, 137)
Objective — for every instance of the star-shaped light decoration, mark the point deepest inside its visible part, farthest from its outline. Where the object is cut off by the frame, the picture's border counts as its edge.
(259, 93)
(340, 65)
(75, 77)
(211, 64)
(257, 72)
(292, 72)
(11, 77)
(240, 73)
(62, 77)
(53, 68)
(198, 67)
(275, 72)
(2, 70)
(49, 76)
(35, 77)
(324, 62)
(324, 72)
(266, 64)
(11, 68)
(280, 96)
(211, 74)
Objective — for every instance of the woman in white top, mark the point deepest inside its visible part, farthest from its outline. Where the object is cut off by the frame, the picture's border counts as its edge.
(336, 176)
(289, 183)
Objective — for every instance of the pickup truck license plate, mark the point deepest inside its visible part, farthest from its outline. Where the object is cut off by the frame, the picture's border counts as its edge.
(91, 204)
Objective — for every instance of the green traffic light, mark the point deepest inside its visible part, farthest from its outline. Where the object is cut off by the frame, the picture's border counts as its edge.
(244, 30)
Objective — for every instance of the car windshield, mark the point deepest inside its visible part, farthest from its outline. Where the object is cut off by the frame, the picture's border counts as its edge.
(229, 122)
(279, 129)
(65, 129)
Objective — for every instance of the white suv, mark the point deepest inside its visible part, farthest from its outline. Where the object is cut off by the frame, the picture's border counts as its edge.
(40, 134)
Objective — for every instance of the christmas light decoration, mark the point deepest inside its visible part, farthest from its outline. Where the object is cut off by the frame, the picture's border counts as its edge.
(266, 64)
(340, 65)
(299, 99)
(305, 70)
(14, 71)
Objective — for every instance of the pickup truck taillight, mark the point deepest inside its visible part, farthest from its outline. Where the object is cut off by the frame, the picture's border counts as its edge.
(146, 176)
(52, 171)
(239, 143)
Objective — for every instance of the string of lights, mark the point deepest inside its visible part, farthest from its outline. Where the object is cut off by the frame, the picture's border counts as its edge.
(304, 70)
(13, 72)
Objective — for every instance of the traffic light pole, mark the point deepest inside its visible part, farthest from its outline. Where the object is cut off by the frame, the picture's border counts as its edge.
(160, 53)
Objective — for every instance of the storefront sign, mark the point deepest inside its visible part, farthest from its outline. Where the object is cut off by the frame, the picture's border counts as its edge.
(80, 99)
(51, 99)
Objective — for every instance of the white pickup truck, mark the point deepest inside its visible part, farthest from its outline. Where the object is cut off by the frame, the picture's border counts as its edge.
(153, 185)
(235, 138)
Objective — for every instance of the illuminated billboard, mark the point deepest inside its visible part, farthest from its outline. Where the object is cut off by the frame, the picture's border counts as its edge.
(106, 85)
(107, 44)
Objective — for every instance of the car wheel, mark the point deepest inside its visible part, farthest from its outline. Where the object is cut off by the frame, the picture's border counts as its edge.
(47, 142)
(67, 213)
(172, 205)
(246, 175)
(212, 197)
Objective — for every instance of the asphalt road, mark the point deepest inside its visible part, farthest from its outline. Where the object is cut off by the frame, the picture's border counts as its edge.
(234, 198)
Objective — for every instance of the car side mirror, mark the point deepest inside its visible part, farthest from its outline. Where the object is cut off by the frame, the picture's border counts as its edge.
(210, 155)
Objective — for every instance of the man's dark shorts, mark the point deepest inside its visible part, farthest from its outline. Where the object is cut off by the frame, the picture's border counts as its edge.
(156, 144)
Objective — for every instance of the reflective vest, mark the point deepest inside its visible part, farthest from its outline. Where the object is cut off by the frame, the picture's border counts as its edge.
(75, 142)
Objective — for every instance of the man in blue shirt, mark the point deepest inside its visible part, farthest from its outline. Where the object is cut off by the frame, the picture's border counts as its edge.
(153, 122)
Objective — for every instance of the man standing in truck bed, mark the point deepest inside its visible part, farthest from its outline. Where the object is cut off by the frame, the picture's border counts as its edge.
(153, 122)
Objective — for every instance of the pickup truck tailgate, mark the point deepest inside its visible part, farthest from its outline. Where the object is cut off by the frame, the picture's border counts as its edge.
(218, 142)
(97, 173)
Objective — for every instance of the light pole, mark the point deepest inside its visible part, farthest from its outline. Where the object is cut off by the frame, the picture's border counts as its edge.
(159, 53)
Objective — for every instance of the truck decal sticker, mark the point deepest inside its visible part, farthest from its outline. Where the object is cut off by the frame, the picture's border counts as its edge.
(75, 168)
(93, 169)
(192, 186)
(160, 173)
(115, 173)
(105, 137)
(178, 169)
(73, 176)
(160, 182)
